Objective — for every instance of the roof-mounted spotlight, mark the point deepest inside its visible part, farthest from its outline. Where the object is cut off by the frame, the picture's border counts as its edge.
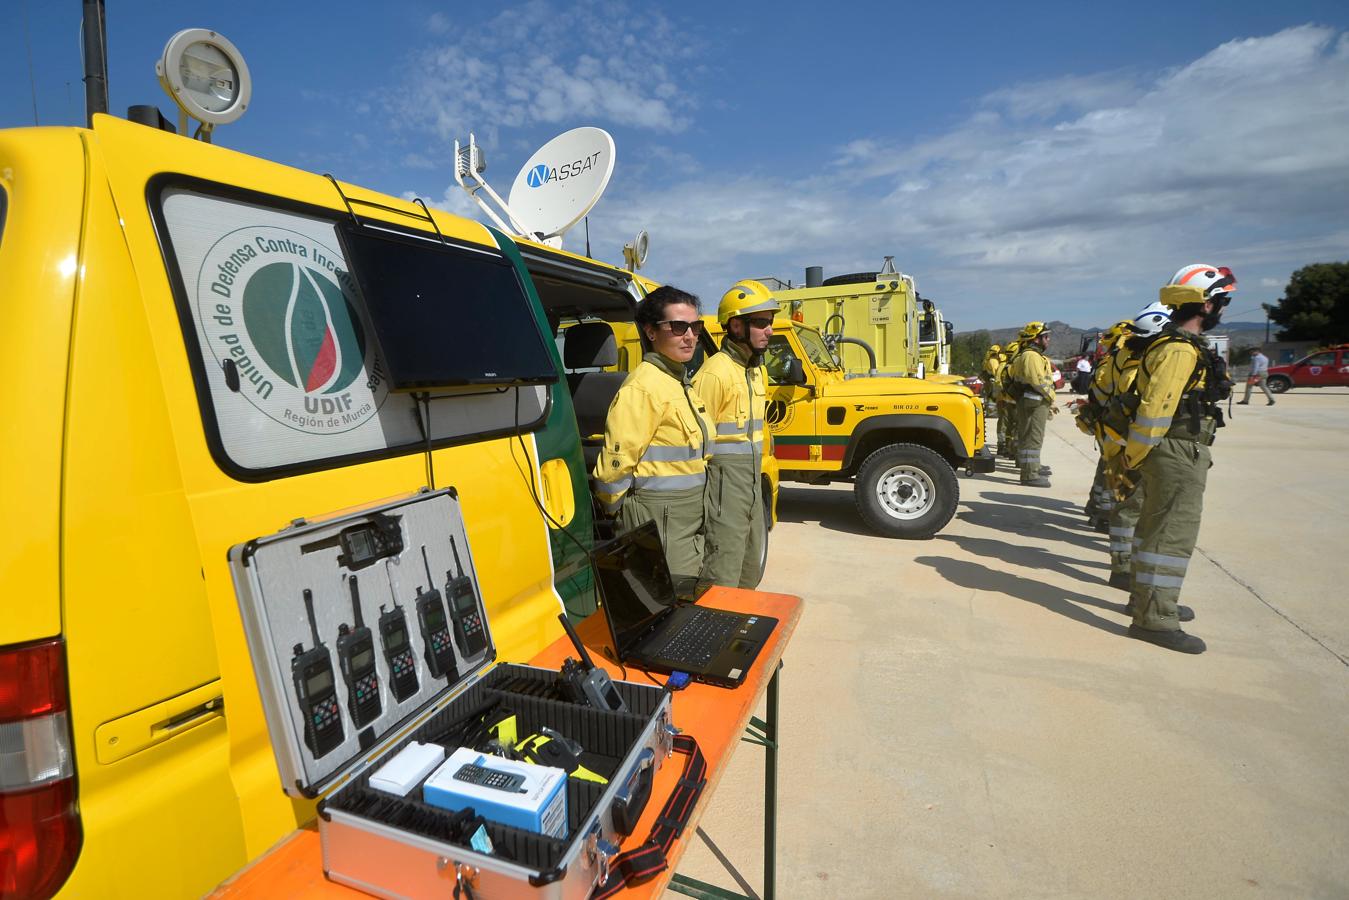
(207, 77)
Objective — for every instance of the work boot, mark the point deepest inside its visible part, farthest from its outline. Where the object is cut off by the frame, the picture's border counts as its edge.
(1046, 471)
(1186, 614)
(1121, 580)
(1172, 640)
(1037, 481)
(1270, 403)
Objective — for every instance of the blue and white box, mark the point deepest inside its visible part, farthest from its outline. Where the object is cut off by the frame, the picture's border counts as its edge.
(539, 804)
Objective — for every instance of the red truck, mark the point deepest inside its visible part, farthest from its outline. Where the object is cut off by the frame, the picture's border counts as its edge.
(1323, 368)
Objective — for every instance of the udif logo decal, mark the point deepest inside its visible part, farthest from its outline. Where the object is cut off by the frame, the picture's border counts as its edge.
(543, 174)
(278, 304)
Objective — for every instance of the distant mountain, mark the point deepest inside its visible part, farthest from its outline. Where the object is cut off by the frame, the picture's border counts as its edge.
(1066, 340)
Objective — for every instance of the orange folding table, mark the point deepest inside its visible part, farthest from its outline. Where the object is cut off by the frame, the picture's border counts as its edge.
(717, 717)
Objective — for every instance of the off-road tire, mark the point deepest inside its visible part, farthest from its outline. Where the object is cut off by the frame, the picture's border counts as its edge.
(1278, 384)
(767, 526)
(906, 491)
(851, 278)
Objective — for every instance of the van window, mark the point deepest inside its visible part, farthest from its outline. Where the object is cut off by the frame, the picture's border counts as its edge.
(289, 374)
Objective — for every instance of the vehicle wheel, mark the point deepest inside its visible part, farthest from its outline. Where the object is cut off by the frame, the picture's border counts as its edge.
(1278, 384)
(906, 491)
(763, 555)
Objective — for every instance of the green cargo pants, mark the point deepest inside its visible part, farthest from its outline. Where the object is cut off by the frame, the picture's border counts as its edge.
(1100, 496)
(1123, 522)
(1032, 414)
(679, 517)
(1174, 475)
(735, 522)
(1007, 427)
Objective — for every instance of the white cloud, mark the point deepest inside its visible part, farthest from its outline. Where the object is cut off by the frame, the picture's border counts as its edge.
(545, 64)
(1078, 193)
(1066, 199)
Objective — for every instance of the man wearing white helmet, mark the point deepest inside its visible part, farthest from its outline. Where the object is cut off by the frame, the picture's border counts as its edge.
(1112, 388)
(731, 385)
(1179, 385)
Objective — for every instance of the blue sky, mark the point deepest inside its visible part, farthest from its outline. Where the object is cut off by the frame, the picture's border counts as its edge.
(1021, 162)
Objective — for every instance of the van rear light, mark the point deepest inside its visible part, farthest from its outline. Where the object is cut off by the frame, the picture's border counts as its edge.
(40, 831)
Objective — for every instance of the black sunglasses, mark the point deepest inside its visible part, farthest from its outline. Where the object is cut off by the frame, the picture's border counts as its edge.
(678, 327)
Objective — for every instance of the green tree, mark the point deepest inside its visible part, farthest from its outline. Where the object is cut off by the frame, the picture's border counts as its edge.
(1315, 305)
(967, 352)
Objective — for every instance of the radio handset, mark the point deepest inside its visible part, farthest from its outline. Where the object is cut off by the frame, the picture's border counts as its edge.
(393, 634)
(584, 682)
(316, 690)
(464, 612)
(356, 658)
(435, 630)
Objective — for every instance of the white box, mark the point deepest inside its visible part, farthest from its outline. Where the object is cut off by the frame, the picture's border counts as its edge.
(406, 770)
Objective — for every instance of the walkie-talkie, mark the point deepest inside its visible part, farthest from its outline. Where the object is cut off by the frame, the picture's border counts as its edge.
(393, 634)
(583, 682)
(435, 630)
(468, 631)
(356, 659)
(316, 689)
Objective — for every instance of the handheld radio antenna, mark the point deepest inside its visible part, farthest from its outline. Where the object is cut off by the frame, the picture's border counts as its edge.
(309, 611)
(455, 550)
(356, 603)
(429, 579)
(576, 640)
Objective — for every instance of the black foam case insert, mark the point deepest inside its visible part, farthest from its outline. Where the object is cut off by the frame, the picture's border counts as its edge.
(536, 698)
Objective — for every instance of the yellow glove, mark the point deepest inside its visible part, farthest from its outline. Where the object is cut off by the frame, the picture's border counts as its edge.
(1121, 480)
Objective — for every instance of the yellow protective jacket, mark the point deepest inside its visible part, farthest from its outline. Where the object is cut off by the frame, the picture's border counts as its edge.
(735, 397)
(1113, 377)
(992, 366)
(1169, 370)
(1031, 370)
(655, 435)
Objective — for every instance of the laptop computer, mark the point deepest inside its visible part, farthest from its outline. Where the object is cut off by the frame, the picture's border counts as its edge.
(650, 629)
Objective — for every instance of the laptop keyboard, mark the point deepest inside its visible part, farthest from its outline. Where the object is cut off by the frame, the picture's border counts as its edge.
(701, 638)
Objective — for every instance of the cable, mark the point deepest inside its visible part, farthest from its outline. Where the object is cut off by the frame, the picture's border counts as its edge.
(529, 480)
(423, 401)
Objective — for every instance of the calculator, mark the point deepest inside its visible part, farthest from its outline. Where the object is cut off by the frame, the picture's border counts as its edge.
(491, 778)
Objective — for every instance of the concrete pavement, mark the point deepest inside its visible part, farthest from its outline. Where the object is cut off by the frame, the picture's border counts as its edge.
(964, 717)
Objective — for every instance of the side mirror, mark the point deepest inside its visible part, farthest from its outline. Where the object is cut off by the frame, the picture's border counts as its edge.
(796, 372)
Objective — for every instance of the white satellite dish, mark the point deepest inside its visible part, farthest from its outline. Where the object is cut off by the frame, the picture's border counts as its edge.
(634, 253)
(562, 181)
(206, 76)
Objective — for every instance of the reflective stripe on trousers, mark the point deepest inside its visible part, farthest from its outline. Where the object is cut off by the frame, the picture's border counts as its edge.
(1174, 477)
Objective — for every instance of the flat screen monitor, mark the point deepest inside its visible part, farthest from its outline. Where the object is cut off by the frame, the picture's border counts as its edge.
(635, 584)
(445, 316)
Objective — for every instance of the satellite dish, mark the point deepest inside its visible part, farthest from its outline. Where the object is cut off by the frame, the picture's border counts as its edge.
(634, 253)
(562, 181)
(206, 76)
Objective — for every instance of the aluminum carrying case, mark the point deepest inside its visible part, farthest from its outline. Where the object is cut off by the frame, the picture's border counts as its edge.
(342, 693)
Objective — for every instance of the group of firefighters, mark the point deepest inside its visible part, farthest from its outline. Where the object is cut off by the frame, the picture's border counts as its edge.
(1153, 408)
(687, 451)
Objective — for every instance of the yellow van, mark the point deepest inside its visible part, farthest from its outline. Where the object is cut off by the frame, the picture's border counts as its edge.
(191, 367)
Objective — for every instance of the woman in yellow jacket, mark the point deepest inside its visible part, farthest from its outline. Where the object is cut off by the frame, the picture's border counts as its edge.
(653, 466)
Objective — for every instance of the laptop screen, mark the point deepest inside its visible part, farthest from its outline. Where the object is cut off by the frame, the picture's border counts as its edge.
(635, 582)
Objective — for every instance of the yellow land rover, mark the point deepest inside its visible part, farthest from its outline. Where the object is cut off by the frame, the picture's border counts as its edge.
(192, 366)
(898, 440)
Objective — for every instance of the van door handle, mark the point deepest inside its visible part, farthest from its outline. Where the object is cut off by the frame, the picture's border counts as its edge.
(173, 723)
(160, 722)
